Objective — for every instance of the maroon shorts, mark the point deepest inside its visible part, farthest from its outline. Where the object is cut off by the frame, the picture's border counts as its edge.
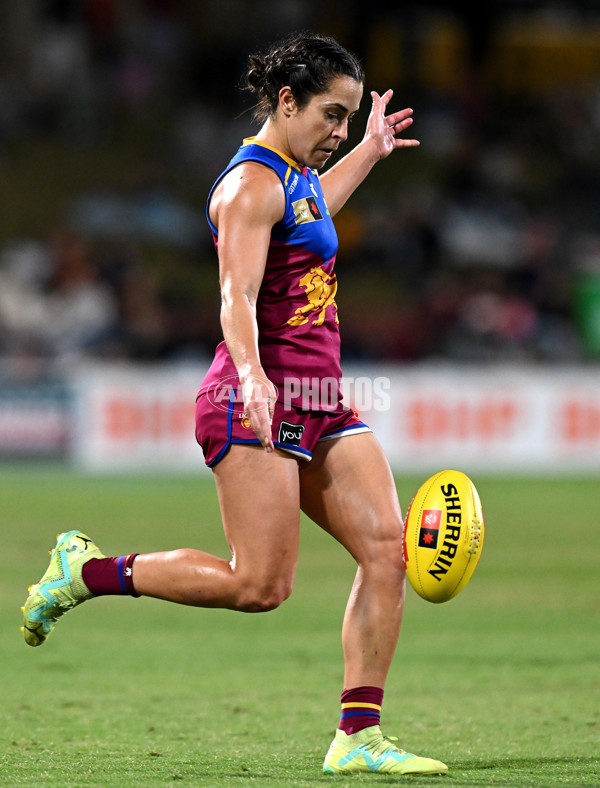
(295, 431)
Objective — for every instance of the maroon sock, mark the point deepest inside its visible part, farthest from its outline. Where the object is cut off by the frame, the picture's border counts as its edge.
(361, 708)
(110, 575)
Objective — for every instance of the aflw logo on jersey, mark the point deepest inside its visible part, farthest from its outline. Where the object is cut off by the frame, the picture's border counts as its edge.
(306, 210)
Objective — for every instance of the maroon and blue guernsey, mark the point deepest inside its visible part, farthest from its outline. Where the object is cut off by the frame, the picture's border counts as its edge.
(297, 318)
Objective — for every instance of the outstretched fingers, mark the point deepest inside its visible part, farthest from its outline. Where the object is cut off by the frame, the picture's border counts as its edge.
(399, 122)
(384, 99)
(393, 124)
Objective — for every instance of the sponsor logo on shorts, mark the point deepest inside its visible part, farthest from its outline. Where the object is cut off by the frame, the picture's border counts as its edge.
(430, 528)
(290, 433)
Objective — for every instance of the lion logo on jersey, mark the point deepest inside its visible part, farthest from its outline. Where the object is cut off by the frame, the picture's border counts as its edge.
(320, 289)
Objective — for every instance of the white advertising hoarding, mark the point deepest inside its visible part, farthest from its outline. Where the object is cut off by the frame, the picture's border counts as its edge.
(136, 418)
(427, 418)
(496, 418)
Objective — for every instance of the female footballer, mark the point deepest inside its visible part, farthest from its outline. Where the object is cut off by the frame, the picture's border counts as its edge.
(269, 434)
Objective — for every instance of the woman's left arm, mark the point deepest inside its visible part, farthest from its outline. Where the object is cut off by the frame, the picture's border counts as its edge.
(379, 141)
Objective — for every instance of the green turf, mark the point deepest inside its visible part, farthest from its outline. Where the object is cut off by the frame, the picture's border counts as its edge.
(502, 682)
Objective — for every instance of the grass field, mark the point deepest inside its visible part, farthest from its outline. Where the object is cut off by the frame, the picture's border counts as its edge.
(502, 683)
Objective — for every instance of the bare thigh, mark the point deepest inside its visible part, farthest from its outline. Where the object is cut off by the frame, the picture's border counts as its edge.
(259, 497)
(348, 489)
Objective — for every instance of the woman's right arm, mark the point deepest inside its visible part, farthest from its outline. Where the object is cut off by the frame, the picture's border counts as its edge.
(245, 206)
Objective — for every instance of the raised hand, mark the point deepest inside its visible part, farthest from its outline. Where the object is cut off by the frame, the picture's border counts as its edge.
(383, 128)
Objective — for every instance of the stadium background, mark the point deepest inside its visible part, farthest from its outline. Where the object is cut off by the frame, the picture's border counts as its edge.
(468, 278)
(469, 268)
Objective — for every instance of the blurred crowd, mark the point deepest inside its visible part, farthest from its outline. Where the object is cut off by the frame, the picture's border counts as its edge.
(481, 245)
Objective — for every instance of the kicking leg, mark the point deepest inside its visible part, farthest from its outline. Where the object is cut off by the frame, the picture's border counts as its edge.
(259, 497)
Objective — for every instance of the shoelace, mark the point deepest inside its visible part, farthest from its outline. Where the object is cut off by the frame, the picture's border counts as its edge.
(381, 744)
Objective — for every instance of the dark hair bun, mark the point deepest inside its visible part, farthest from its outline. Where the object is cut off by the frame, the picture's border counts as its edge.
(256, 75)
(306, 62)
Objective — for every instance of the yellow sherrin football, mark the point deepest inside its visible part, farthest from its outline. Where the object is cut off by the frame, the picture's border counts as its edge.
(443, 536)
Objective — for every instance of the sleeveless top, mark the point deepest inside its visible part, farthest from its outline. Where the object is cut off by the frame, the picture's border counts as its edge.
(298, 326)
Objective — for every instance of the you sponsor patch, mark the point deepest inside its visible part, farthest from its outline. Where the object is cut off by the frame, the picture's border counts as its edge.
(290, 433)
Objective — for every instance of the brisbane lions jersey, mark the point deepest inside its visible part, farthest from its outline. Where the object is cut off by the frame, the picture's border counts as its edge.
(296, 311)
